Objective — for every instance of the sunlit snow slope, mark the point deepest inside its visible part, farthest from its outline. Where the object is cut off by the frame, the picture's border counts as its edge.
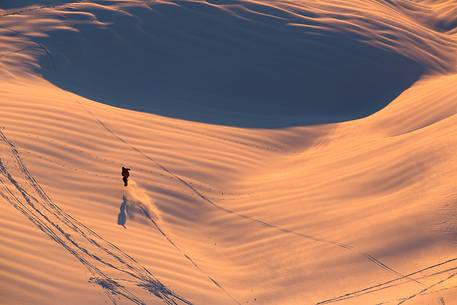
(281, 152)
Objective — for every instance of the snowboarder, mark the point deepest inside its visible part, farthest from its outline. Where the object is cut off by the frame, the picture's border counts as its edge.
(125, 175)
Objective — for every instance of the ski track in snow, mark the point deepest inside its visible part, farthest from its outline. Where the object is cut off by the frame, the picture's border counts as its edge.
(418, 275)
(104, 260)
(187, 257)
(283, 230)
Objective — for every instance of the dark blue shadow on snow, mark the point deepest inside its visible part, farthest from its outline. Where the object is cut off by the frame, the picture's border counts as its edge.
(198, 62)
(122, 216)
(21, 4)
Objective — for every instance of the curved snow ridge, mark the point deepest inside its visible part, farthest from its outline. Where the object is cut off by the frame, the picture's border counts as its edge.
(430, 102)
(270, 63)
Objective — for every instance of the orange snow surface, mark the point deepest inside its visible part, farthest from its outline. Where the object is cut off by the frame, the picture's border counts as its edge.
(357, 211)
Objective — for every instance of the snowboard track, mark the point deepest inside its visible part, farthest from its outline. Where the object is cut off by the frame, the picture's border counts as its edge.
(206, 199)
(187, 257)
(104, 260)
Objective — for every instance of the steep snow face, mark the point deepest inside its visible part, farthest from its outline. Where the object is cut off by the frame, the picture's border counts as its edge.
(272, 63)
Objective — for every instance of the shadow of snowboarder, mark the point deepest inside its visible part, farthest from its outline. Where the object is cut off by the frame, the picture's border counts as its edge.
(122, 217)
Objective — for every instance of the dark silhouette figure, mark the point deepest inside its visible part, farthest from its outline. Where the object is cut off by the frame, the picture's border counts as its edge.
(122, 217)
(125, 175)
